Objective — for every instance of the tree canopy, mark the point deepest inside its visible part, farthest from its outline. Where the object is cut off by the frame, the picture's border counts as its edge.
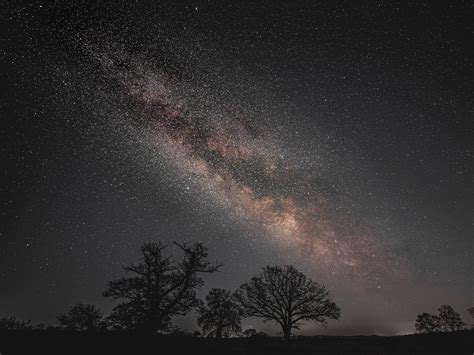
(447, 320)
(287, 297)
(81, 317)
(427, 323)
(11, 323)
(159, 288)
(470, 310)
(221, 315)
(450, 320)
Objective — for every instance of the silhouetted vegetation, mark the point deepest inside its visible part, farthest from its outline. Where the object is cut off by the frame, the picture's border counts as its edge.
(249, 332)
(471, 313)
(450, 320)
(427, 323)
(287, 297)
(11, 323)
(221, 315)
(159, 288)
(81, 317)
(447, 320)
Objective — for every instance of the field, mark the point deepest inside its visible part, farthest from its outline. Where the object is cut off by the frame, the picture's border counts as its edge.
(60, 342)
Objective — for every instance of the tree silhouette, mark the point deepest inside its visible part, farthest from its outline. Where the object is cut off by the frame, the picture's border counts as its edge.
(427, 323)
(11, 323)
(249, 332)
(450, 320)
(81, 317)
(159, 288)
(288, 297)
(221, 315)
(471, 313)
(447, 320)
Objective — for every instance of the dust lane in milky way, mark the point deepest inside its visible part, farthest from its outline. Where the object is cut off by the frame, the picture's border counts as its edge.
(245, 170)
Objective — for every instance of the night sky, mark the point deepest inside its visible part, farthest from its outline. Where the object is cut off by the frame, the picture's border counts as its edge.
(329, 135)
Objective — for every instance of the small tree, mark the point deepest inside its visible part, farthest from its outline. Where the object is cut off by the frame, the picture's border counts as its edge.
(288, 297)
(248, 333)
(11, 323)
(427, 323)
(81, 317)
(221, 315)
(471, 313)
(159, 288)
(450, 320)
(447, 320)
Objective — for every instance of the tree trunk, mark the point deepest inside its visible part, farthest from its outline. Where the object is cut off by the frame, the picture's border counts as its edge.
(286, 333)
(219, 332)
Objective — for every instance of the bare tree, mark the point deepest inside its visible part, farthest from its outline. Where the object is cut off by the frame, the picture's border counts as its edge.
(427, 323)
(221, 315)
(81, 317)
(288, 297)
(159, 288)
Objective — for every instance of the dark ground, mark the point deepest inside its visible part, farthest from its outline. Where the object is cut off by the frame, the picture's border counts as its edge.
(58, 342)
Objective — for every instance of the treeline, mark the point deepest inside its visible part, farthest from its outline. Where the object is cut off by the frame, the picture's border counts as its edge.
(158, 288)
(447, 320)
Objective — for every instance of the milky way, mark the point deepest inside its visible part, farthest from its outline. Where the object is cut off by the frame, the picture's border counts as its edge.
(247, 171)
(333, 136)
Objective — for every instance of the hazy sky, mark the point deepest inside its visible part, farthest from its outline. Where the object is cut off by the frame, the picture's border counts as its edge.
(327, 135)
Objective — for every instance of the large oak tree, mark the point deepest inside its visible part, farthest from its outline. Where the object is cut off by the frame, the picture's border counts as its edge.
(288, 297)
